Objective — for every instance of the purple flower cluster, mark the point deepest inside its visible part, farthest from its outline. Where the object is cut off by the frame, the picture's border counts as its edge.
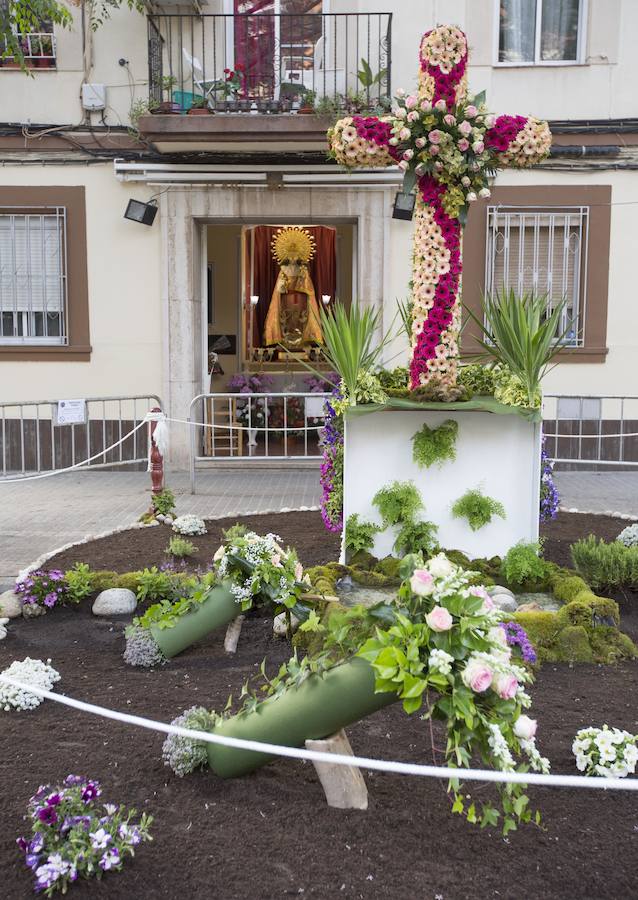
(517, 637)
(320, 385)
(72, 837)
(332, 469)
(441, 312)
(550, 498)
(41, 588)
(249, 384)
(503, 132)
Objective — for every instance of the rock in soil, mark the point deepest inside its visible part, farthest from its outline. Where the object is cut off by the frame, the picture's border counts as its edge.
(115, 602)
(10, 605)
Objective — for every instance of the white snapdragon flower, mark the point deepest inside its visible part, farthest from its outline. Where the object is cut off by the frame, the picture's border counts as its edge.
(441, 662)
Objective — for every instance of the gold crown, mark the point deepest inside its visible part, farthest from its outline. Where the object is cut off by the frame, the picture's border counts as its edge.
(293, 243)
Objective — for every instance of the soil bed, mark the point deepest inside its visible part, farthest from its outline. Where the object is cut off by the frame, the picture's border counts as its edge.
(271, 835)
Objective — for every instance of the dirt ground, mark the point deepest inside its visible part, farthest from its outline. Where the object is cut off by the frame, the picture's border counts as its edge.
(270, 834)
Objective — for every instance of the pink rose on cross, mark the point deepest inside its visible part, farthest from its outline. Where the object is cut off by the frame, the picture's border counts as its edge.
(420, 142)
(413, 115)
(477, 675)
(403, 165)
(465, 128)
(525, 728)
(463, 145)
(405, 134)
(449, 119)
(435, 136)
(426, 106)
(506, 686)
(441, 105)
(411, 101)
(439, 619)
(478, 146)
(471, 111)
(421, 583)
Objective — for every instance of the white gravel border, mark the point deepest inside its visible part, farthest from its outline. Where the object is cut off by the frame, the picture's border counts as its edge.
(39, 562)
(627, 517)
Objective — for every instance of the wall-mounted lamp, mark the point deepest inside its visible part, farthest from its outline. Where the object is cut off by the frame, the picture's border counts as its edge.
(403, 206)
(325, 299)
(144, 213)
(254, 299)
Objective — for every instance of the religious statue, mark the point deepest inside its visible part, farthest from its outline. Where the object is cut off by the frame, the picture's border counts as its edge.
(293, 315)
(448, 145)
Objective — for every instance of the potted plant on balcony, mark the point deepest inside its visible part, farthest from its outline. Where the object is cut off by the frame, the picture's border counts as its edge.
(168, 106)
(230, 87)
(307, 107)
(44, 59)
(200, 107)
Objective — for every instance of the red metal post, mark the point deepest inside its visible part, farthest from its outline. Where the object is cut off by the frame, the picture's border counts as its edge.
(157, 460)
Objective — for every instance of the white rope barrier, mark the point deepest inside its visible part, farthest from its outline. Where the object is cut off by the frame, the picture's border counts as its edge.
(361, 762)
(149, 417)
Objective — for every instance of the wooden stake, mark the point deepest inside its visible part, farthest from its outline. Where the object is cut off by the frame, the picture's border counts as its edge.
(232, 634)
(344, 786)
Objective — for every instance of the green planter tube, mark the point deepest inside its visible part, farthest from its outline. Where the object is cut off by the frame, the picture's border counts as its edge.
(319, 707)
(220, 609)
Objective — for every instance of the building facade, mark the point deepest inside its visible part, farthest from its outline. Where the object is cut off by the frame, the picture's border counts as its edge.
(94, 304)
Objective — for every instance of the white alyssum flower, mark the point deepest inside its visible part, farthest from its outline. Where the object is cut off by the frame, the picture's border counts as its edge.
(608, 752)
(500, 750)
(440, 661)
(29, 671)
(189, 524)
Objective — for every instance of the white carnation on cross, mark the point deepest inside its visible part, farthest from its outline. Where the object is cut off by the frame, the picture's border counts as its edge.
(448, 145)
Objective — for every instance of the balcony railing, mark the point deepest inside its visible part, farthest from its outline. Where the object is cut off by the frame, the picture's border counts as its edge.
(271, 62)
(39, 51)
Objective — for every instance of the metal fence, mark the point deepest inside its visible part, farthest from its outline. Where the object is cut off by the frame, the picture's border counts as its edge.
(252, 428)
(270, 62)
(591, 432)
(33, 440)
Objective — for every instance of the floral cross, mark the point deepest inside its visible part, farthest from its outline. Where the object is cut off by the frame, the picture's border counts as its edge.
(448, 144)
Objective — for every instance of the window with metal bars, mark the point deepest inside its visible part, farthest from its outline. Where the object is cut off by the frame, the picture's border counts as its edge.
(541, 251)
(33, 276)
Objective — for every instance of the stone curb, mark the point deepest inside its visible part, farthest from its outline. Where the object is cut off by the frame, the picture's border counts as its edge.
(626, 517)
(103, 534)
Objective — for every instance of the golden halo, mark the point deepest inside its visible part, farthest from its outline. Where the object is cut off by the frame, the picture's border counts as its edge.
(293, 243)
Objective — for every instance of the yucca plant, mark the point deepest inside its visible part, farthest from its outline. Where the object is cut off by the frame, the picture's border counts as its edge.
(522, 334)
(350, 342)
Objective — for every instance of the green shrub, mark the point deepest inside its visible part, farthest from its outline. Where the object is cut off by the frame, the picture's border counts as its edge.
(79, 582)
(605, 565)
(435, 445)
(101, 581)
(359, 535)
(477, 509)
(610, 645)
(477, 379)
(398, 502)
(416, 536)
(582, 609)
(388, 566)
(573, 644)
(128, 580)
(163, 502)
(154, 585)
(523, 566)
(180, 547)
(396, 379)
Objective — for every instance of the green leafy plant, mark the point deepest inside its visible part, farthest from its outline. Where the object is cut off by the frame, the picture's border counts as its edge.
(523, 334)
(478, 379)
(79, 582)
(394, 379)
(155, 585)
(359, 535)
(523, 565)
(138, 109)
(366, 78)
(350, 344)
(605, 565)
(180, 547)
(477, 508)
(398, 502)
(164, 502)
(435, 445)
(416, 537)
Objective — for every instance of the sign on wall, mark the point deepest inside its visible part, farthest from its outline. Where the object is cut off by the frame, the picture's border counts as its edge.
(71, 412)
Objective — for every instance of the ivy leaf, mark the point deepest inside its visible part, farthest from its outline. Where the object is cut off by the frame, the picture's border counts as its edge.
(508, 825)
(413, 686)
(411, 705)
(457, 806)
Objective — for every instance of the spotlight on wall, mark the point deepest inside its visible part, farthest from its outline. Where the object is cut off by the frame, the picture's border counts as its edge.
(403, 206)
(144, 213)
(325, 299)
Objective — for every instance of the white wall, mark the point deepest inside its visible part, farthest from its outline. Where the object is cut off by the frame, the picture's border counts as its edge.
(124, 296)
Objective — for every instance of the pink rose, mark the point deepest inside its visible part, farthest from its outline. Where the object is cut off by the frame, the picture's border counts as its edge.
(276, 559)
(463, 145)
(440, 105)
(400, 92)
(420, 142)
(434, 149)
(411, 101)
(413, 116)
(506, 686)
(525, 728)
(465, 128)
(488, 604)
(449, 119)
(490, 120)
(477, 676)
(421, 583)
(435, 136)
(478, 146)
(471, 111)
(426, 106)
(408, 154)
(403, 165)
(439, 619)
(405, 134)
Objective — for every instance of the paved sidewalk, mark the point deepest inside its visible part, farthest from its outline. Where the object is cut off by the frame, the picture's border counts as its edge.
(39, 516)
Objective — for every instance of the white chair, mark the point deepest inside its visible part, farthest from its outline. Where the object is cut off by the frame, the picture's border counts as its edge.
(198, 74)
(326, 81)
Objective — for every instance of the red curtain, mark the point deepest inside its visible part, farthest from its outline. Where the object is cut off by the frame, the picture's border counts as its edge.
(322, 268)
(254, 39)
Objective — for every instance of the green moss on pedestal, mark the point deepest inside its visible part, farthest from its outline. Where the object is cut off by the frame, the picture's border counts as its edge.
(573, 644)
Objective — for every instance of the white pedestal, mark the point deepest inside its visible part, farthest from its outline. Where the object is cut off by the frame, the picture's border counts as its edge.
(500, 454)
